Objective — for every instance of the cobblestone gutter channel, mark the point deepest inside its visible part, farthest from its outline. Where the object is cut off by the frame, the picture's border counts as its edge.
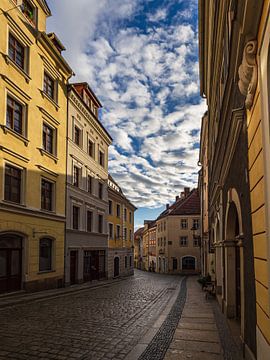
(157, 348)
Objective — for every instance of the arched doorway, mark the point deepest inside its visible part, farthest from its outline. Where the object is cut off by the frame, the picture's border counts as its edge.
(10, 262)
(116, 266)
(188, 263)
(233, 270)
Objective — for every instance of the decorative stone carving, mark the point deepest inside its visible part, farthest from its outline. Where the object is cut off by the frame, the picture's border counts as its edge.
(248, 73)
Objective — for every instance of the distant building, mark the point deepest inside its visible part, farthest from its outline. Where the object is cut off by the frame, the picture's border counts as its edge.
(87, 194)
(120, 232)
(138, 248)
(149, 245)
(177, 235)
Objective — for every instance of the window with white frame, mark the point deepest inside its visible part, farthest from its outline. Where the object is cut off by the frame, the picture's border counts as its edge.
(49, 86)
(45, 254)
(118, 231)
(15, 115)
(13, 184)
(76, 176)
(17, 52)
(183, 241)
(47, 195)
(48, 138)
(196, 224)
(184, 224)
(101, 158)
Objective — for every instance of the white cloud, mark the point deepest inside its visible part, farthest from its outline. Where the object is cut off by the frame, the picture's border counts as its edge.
(147, 81)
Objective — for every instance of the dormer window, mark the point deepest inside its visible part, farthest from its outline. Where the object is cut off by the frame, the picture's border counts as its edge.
(29, 11)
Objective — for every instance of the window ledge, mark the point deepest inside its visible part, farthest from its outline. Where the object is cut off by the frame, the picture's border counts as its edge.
(14, 203)
(47, 211)
(44, 152)
(6, 130)
(44, 95)
(45, 272)
(9, 61)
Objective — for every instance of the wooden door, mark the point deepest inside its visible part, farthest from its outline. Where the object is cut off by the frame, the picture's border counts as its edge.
(10, 263)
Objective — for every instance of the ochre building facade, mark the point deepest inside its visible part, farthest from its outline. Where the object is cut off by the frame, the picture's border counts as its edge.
(33, 111)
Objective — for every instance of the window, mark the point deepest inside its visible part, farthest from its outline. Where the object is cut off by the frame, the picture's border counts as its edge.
(47, 136)
(125, 214)
(130, 235)
(76, 176)
(14, 115)
(89, 221)
(130, 261)
(183, 241)
(118, 231)
(111, 231)
(125, 262)
(118, 210)
(196, 224)
(16, 51)
(100, 190)
(75, 219)
(110, 207)
(101, 158)
(169, 242)
(195, 242)
(100, 224)
(45, 254)
(125, 233)
(184, 224)
(77, 135)
(130, 217)
(13, 180)
(164, 240)
(91, 148)
(164, 225)
(89, 184)
(46, 195)
(48, 85)
(28, 10)
(174, 264)
(188, 263)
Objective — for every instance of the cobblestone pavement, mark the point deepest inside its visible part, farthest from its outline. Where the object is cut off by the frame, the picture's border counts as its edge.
(103, 323)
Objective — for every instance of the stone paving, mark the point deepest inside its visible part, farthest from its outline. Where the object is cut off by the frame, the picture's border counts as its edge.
(101, 323)
(196, 336)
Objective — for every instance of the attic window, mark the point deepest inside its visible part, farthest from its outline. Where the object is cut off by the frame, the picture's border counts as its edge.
(29, 11)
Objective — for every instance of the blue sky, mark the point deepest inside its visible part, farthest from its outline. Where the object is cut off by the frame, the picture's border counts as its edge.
(141, 59)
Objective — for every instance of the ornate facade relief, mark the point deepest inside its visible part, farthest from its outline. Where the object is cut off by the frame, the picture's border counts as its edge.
(248, 73)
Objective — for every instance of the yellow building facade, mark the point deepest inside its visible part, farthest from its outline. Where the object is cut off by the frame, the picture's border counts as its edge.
(33, 112)
(259, 175)
(120, 232)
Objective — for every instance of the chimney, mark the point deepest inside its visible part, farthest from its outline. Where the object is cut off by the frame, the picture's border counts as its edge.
(186, 191)
(182, 195)
(177, 198)
(167, 206)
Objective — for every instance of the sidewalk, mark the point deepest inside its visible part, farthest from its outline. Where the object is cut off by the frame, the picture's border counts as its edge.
(197, 335)
(23, 297)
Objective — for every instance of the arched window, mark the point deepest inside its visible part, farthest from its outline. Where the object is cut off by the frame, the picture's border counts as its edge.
(188, 263)
(45, 254)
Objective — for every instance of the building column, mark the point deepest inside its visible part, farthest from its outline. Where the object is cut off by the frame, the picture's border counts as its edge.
(230, 284)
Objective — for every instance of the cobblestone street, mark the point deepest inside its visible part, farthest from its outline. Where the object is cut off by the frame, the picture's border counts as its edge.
(102, 323)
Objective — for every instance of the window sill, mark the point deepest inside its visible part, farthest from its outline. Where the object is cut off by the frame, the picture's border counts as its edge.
(44, 152)
(48, 211)
(44, 95)
(19, 205)
(14, 133)
(45, 272)
(9, 61)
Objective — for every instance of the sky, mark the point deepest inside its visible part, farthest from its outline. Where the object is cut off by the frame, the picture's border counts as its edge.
(140, 57)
